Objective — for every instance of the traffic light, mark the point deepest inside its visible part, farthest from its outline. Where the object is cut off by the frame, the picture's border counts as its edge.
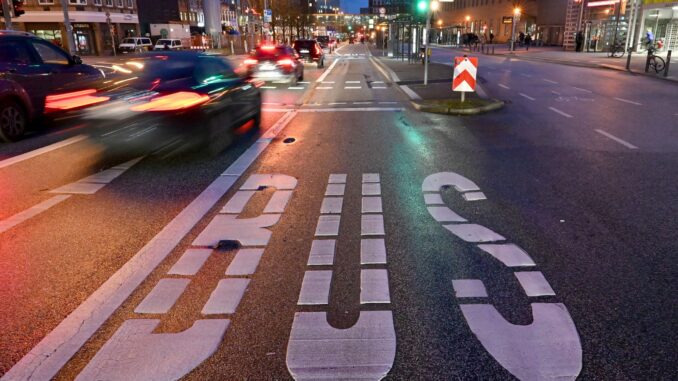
(18, 6)
(422, 5)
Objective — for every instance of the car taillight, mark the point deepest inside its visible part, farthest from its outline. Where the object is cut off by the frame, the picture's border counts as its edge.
(72, 100)
(173, 102)
(286, 62)
(317, 50)
(251, 61)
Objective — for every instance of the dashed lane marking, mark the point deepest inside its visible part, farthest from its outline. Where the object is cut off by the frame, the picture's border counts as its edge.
(526, 96)
(31, 212)
(628, 101)
(582, 89)
(616, 139)
(40, 151)
(503, 86)
(352, 87)
(352, 81)
(315, 288)
(245, 262)
(534, 283)
(469, 288)
(163, 296)
(563, 113)
(549, 81)
(324, 88)
(226, 297)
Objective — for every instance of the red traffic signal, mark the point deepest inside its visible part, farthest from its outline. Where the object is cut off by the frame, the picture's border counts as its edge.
(18, 6)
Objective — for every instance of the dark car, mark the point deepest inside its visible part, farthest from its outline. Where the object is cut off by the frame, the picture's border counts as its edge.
(310, 51)
(37, 76)
(190, 97)
(324, 41)
(275, 63)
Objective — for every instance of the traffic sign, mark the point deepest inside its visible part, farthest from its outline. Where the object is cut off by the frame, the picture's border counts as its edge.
(382, 11)
(268, 15)
(465, 69)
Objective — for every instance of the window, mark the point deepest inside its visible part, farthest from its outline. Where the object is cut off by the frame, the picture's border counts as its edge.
(50, 54)
(77, 2)
(109, 3)
(130, 4)
(14, 52)
(120, 4)
(46, 2)
(96, 2)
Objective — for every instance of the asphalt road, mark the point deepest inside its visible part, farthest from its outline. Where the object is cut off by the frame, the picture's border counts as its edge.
(152, 277)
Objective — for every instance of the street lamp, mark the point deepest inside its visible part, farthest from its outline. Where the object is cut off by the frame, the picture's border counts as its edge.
(516, 16)
(429, 6)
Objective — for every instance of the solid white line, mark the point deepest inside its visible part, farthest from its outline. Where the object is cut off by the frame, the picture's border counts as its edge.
(352, 87)
(549, 81)
(40, 151)
(327, 72)
(56, 349)
(560, 112)
(388, 103)
(336, 109)
(361, 103)
(526, 96)
(410, 93)
(504, 86)
(628, 101)
(31, 212)
(581, 89)
(616, 139)
(393, 76)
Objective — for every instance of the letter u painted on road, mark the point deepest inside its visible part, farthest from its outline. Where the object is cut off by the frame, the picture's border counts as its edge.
(547, 349)
(134, 352)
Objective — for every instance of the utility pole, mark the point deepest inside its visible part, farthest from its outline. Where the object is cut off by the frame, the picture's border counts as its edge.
(69, 28)
(516, 17)
(8, 16)
(426, 31)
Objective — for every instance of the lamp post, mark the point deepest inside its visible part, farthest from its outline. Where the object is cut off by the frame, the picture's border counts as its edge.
(430, 7)
(516, 16)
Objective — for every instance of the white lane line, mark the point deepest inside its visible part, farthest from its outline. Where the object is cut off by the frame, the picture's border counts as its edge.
(92, 184)
(628, 101)
(526, 96)
(410, 93)
(315, 288)
(372, 251)
(163, 296)
(379, 88)
(444, 214)
(55, 349)
(225, 297)
(277, 181)
(331, 205)
(474, 196)
(322, 252)
(352, 87)
(268, 87)
(474, 233)
(40, 151)
(371, 189)
(327, 72)
(563, 113)
(327, 82)
(433, 199)
(335, 189)
(377, 81)
(362, 103)
(391, 74)
(278, 201)
(503, 86)
(295, 88)
(616, 139)
(327, 226)
(371, 205)
(324, 87)
(337, 178)
(31, 212)
(237, 203)
(388, 103)
(582, 89)
(190, 262)
(509, 254)
(337, 109)
(337, 103)
(371, 178)
(469, 288)
(304, 82)
(549, 81)
(374, 286)
(526, 75)
(245, 262)
(371, 224)
(534, 283)
(352, 81)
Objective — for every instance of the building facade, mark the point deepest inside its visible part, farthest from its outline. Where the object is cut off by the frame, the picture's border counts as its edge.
(391, 7)
(97, 24)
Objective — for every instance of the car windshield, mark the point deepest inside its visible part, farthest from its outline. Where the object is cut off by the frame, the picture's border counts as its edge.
(129, 41)
(269, 52)
(307, 44)
(164, 42)
(323, 39)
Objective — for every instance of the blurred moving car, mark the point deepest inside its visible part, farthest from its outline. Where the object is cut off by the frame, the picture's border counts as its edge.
(275, 63)
(135, 45)
(38, 77)
(310, 51)
(193, 99)
(324, 41)
(168, 44)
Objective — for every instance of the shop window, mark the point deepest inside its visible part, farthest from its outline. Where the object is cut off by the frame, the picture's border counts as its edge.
(130, 4)
(120, 4)
(77, 2)
(96, 2)
(109, 3)
(47, 2)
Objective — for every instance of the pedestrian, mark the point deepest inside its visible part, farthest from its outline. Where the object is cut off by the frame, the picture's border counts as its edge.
(528, 41)
(579, 41)
(649, 38)
(491, 38)
(521, 38)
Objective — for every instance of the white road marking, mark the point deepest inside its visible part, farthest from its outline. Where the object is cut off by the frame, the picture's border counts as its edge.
(372, 251)
(226, 297)
(337, 178)
(331, 205)
(277, 181)
(335, 189)
(628, 101)
(370, 178)
(315, 288)
(433, 199)
(296, 88)
(474, 196)
(268, 87)
(527, 96)
(337, 103)
(278, 201)
(377, 81)
(388, 103)
(31, 212)
(247, 231)
(582, 89)
(371, 189)
(245, 262)
(237, 203)
(92, 184)
(327, 82)
(549, 81)
(327, 72)
(436, 181)
(365, 351)
(469, 288)
(327, 226)
(324, 87)
(526, 75)
(362, 103)
(190, 262)
(391, 74)
(322, 252)
(503, 86)
(616, 139)
(474, 233)
(371, 205)
(374, 286)
(563, 113)
(29, 155)
(163, 296)
(534, 283)
(410, 93)
(547, 348)
(509, 254)
(444, 214)
(352, 81)
(379, 88)
(304, 82)
(352, 87)
(371, 224)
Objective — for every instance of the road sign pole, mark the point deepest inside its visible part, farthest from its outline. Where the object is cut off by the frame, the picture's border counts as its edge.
(69, 28)
(463, 96)
(428, 27)
(8, 16)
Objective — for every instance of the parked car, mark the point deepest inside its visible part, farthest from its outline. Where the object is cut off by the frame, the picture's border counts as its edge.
(37, 76)
(168, 44)
(310, 51)
(190, 97)
(135, 45)
(324, 41)
(275, 63)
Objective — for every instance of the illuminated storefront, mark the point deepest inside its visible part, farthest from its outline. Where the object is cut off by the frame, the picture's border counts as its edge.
(661, 18)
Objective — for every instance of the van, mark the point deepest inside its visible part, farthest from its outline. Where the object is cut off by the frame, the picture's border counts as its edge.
(135, 44)
(172, 44)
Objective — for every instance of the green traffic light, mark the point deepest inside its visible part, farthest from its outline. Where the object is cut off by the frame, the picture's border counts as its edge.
(422, 5)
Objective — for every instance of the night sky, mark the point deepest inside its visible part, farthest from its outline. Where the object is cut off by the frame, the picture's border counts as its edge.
(353, 6)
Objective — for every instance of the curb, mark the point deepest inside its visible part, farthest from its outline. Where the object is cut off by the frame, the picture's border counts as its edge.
(495, 105)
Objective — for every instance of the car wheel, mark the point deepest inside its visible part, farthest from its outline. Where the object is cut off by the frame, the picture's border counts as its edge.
(293, 81)
(13, 121)
(301, 76)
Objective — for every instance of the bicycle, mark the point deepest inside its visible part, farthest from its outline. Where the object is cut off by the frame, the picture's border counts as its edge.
(616, 50)
(655, 62)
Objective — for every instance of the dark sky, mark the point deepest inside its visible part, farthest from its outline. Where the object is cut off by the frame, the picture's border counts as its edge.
(353, 6)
